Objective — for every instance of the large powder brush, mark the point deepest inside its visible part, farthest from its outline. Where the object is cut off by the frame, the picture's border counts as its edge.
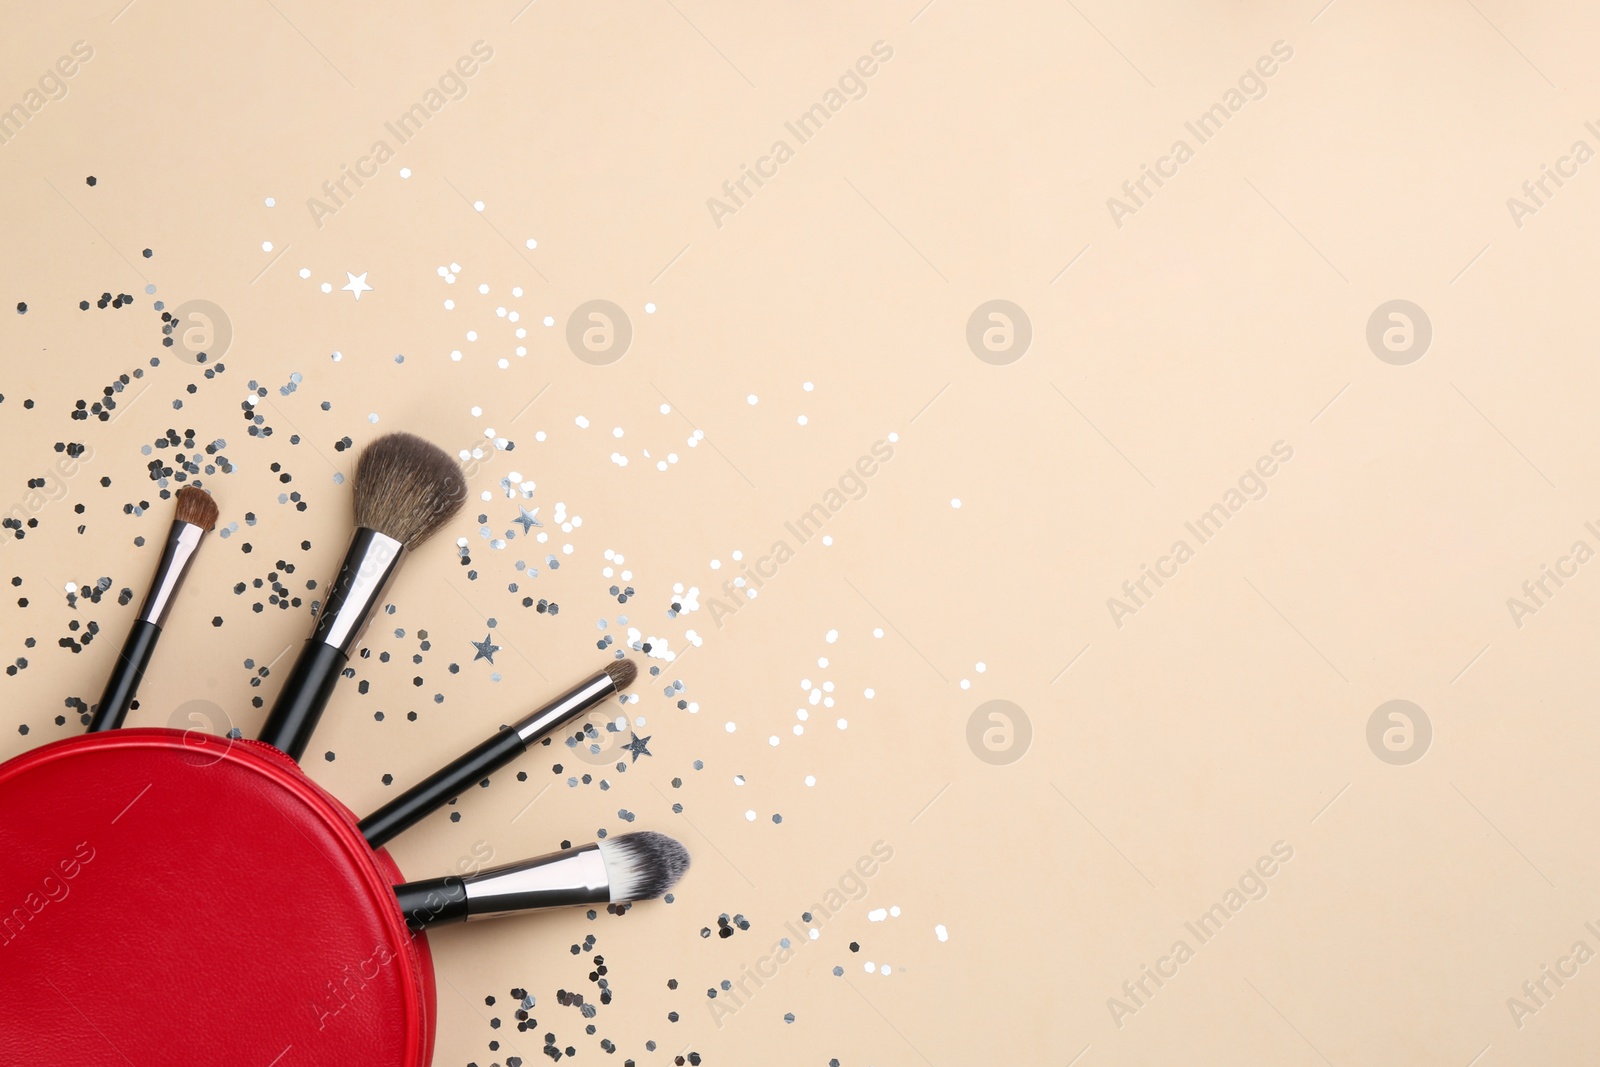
(406, 489)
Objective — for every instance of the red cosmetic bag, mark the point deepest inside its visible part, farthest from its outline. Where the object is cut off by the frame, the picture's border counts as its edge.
(180, 898)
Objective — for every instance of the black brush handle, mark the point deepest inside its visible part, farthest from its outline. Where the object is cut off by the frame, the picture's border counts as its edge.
(125, 676)
(303, 696)
(438, 788)
(437, 900)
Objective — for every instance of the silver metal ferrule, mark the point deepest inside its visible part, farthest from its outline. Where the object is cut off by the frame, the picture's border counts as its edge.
(559, 880)
(363, 579)
(182, 541)
(575, 701)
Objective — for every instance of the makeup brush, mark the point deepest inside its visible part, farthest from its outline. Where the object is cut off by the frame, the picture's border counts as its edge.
(405, 490)
(478, 762)
(618, 870)
(196, 514)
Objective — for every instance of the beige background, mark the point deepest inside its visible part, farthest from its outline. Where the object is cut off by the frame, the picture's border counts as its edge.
(1168, 353)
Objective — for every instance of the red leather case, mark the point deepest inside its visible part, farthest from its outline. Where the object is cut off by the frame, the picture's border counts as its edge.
(179, 898)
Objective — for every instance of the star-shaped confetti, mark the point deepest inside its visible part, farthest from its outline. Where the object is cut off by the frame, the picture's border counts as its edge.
(637, 746)
(358, 285)
(486, 649)
(526, 519)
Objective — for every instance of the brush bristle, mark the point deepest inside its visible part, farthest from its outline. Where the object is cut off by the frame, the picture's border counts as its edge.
(643, 865)
(196, 507)
(622, 672)
(407, 488)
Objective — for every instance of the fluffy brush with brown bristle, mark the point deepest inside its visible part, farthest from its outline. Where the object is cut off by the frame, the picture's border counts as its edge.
(476, 764)
(195, 515)
(405, 490)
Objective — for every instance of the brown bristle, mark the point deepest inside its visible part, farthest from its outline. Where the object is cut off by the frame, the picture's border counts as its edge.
(622, 672)
(407, 488)
(196, 507)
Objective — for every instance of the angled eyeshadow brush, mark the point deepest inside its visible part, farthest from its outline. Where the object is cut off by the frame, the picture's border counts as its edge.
(195, 515)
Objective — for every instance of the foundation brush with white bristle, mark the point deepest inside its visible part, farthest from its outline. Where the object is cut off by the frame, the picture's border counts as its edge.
(617, 870)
